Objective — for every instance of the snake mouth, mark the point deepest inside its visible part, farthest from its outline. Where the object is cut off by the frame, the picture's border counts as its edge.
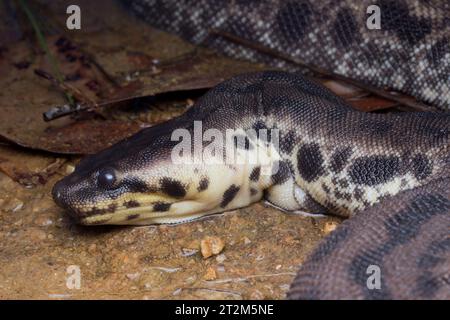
(122, 216)
(144, 215)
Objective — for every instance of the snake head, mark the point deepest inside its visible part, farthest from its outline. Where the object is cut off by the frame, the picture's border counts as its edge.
(137, 182)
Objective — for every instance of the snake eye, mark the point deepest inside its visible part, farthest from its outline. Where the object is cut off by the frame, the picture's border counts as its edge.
(106, 178)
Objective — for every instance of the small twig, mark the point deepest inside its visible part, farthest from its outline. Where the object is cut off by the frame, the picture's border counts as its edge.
(102, 70)
(85, 102)
(64, 110)
(65, 87)
(279, 55)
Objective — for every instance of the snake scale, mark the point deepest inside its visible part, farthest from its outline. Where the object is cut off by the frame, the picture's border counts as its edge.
(300, 147)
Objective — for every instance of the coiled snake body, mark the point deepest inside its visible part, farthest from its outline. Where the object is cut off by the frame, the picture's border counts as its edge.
(314, 154)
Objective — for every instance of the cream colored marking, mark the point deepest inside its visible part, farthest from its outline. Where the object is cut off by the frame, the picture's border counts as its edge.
(299, 195)
(195, 204)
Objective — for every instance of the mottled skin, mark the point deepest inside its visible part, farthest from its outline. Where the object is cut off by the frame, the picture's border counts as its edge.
(406, 236)
(330, 159)
(410, 53)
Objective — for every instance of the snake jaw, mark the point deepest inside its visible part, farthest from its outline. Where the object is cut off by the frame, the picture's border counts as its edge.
(176, 212)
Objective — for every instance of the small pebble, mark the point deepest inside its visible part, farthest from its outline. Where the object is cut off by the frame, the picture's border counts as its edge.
(211, 246)
(133, 276)
(247, 240)
(70, 168)
(210, 274)
(329, 227)
(221, 258)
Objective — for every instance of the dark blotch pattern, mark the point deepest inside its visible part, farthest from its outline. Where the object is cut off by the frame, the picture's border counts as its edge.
(345, 28)
(255, 174)
(172, 187)
(131, 204)
(358, 194)
(401, 228)
(405, 225)
(333, 241)
(434, 254)
(438, 51)
(229, 195)
(374, 170)
(136, 186)
(342, 195)
(96, 211)
(357, 272)
(242, 142)
(312, 206)
(310, 162)
(343, 183)
(395, 17)
(325, 188)
(203, 185)
(427, 284)
(288, 142)
(282, 173)
(161, 206)
(133, 216)
(294, 19)
(260, 128)
(421, 167)
(339, 159)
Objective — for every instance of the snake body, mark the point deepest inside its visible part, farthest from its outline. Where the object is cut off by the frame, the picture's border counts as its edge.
(299, 147)
(410, 52)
